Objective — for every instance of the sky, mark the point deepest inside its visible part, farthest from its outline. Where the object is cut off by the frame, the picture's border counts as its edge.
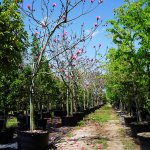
(105, 11)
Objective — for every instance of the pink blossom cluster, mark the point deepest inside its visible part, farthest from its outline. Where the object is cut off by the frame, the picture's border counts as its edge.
(91, 1)
(28, 6)
(74, 57)
(64, 34)
(78, 51)
(100, 1)
(54, 5)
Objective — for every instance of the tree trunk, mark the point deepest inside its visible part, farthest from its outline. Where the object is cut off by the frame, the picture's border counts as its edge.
(67, 103)
(84, 100)
(31, 109)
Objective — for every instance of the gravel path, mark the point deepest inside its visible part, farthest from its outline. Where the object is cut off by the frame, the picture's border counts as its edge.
(94, 136)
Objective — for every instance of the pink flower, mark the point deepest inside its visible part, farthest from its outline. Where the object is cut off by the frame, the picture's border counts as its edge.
(95, 24)
(91, 1)
(73, 57)
(100, 1)
(28, 6)
(36, 33)
(63, 17)
(98, 17)
(82, 148)
(54, 5)
(64, 34)
(78, 52)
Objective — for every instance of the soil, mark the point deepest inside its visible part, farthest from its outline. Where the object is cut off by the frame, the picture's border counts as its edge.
(111, 135)
(95, 136)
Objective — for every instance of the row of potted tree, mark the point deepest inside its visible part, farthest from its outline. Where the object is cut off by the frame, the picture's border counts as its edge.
(48, 69)
(128, 66)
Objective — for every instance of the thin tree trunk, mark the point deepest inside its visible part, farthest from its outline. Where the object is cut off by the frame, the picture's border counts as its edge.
(31, 109)
(84, 99)
(67, 103)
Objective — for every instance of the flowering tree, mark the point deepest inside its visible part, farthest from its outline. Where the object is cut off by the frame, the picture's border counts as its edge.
(50, 19)
(67, 65)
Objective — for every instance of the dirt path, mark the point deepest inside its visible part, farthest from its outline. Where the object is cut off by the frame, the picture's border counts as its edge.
(98, 136)
(111, 129)
(102, 130)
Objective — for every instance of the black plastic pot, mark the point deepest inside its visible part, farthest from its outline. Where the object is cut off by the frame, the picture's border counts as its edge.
(144, 139)
(138, 127)
(1, 114)
(60, 113)
(42, 123)
(129, 119)
(92, 110)
(87, 111)
(37, 140)
(46, 115)
(1, 124)
(23, 122)
(78, 116)
(69, 121)
(6, 135)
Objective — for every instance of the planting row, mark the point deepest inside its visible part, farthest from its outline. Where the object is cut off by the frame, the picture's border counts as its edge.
(139, 130)
(45, 123)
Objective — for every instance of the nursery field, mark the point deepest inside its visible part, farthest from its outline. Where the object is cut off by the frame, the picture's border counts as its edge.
(74, 75)
(102, 129)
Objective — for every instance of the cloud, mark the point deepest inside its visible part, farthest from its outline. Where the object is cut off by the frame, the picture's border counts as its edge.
(95, 33)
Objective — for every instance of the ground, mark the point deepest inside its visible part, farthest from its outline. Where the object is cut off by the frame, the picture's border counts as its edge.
(102, 130)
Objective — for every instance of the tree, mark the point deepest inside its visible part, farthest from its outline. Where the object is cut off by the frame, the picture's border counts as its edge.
(127, 76)
(13, 37)
(46, 27)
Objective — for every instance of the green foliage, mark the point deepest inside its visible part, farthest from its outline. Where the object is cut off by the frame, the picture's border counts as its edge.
(14, 89)
(12, 122)
(128, 66)
(12, 36)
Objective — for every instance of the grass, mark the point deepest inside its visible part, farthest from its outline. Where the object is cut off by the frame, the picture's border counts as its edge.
(81, 123)
(69, 134)
(102, 115)
(128, 143)
(11, 122)
(102, 141)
